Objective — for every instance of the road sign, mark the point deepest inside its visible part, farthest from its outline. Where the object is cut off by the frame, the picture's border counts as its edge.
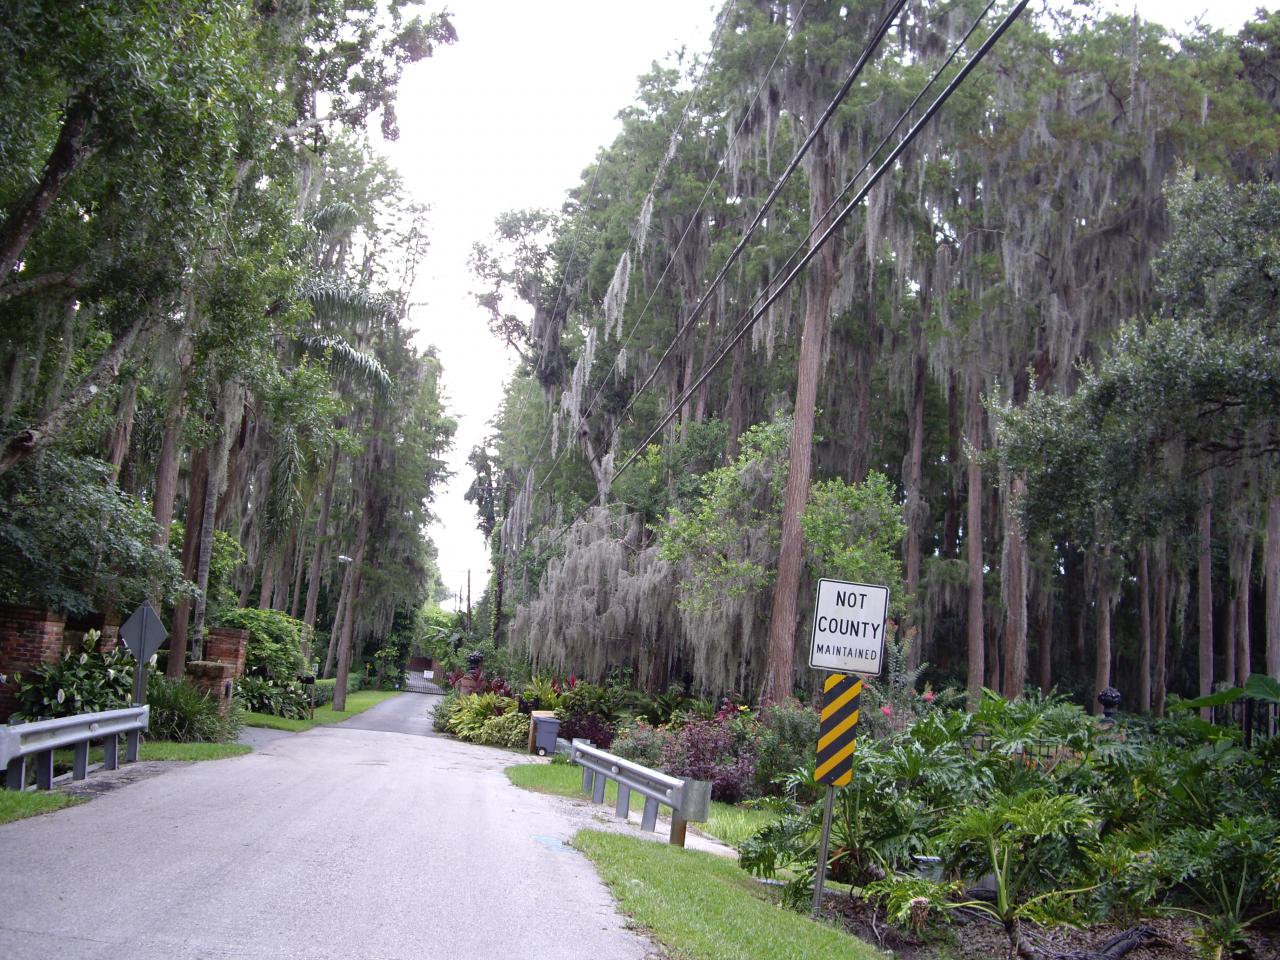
(841, 698)
(143, 633)
(848, 627)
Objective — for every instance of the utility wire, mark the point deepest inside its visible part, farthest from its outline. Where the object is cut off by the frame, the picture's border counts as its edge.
(753, 316)
(867, 53)
(688, 227)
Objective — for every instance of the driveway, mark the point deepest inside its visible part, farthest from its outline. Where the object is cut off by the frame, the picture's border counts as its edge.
(369, 839)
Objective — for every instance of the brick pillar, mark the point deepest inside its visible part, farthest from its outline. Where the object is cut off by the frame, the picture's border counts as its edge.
(227, 645)
(215, 680)
(110, 629)
(28, 638)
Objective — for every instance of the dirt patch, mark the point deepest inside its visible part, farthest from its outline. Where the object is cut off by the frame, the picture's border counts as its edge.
(104, 781)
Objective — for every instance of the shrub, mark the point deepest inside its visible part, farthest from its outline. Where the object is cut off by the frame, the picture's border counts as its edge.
(325, 688)
(275, 642)
(587, 727)
(541, 693)
(641, 742)
(278, 699)
(184, 714)
(788, 739)
(444, 710)
(470, 713)
(709, 750)
(506, 730)
(80, 681)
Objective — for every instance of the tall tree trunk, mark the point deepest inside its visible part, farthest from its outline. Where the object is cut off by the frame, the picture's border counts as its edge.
(780, 662)
(122, 430)
(1271, 573)
(1046, 638)
(1160, 681)
(348, 621)
(269, 564)
(734, 404)
(1102, 662)
(33, 439)
(196, 484)
(213, 491)
(322, 540)
(1204, 591)
(973, 546)
(951, 505)
(500, 573)
(70, 150)
(335, 630)
(70, 314)
(915, 510)
(1014, 574)
(1244, 611)
(299, 568)
(700, 404)
(1144, 633)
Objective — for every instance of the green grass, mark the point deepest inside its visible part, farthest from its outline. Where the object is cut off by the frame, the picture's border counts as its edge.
(357, 702)
(168, 750)
(703, 907)
(17, 804)
(728, 824)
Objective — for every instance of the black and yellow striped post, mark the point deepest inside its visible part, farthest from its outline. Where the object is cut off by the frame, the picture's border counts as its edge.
(841, 700)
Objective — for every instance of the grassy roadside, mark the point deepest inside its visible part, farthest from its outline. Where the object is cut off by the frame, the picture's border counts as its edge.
(357, 702)
(17, 804)
(728, 824)
(703, 907)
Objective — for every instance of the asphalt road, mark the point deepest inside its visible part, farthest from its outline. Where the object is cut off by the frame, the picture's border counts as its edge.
(360, 841)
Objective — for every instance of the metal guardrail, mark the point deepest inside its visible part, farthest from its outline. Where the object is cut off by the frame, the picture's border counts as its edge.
(688, 799)
(41, 737)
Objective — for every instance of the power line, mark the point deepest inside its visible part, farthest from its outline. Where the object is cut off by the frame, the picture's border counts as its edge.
(753, 316)
(868, 51)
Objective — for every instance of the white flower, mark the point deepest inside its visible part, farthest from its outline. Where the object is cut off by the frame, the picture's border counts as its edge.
(155, 657)
(84, 658)
(111, 674)
(62, 696)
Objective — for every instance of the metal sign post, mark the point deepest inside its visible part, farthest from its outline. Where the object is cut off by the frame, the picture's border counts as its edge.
(841, 708)
(142, 633)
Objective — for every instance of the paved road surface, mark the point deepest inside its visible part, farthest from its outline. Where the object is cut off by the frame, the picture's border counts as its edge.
(352, 842)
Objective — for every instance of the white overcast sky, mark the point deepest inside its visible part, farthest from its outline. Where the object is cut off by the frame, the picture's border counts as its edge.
(507, 118)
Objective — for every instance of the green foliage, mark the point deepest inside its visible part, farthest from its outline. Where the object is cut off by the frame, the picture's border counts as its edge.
(506, 730)
(262, 695)
(1228, 871)
(469, 714)
(727, 537)
(183, 714)
(70, 538)
(853, 532)
(275, 642)
(642, 743)
(542, 693)
(444, 710)
(788, 739)
(80, 681)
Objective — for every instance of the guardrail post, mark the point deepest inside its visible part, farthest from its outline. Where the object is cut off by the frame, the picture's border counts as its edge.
(622, 808)
(649, 821)
(597, 793)
(132, 739)
(678, 825)
(587, 777)
(16, 774)
(44, 770)
(80, 765)
(111, 753)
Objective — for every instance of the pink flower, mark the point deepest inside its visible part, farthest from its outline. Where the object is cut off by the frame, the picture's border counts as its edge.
(929, 696)
(887, 710)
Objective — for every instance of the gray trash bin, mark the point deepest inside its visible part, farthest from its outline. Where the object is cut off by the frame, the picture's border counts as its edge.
(545, 731)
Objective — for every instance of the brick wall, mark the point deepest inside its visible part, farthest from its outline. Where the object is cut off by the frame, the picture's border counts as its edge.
(28, 638)
(227, 645)
(215, 679)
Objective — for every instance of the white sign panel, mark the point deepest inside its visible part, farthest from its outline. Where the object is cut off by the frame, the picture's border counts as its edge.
(848, 627)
